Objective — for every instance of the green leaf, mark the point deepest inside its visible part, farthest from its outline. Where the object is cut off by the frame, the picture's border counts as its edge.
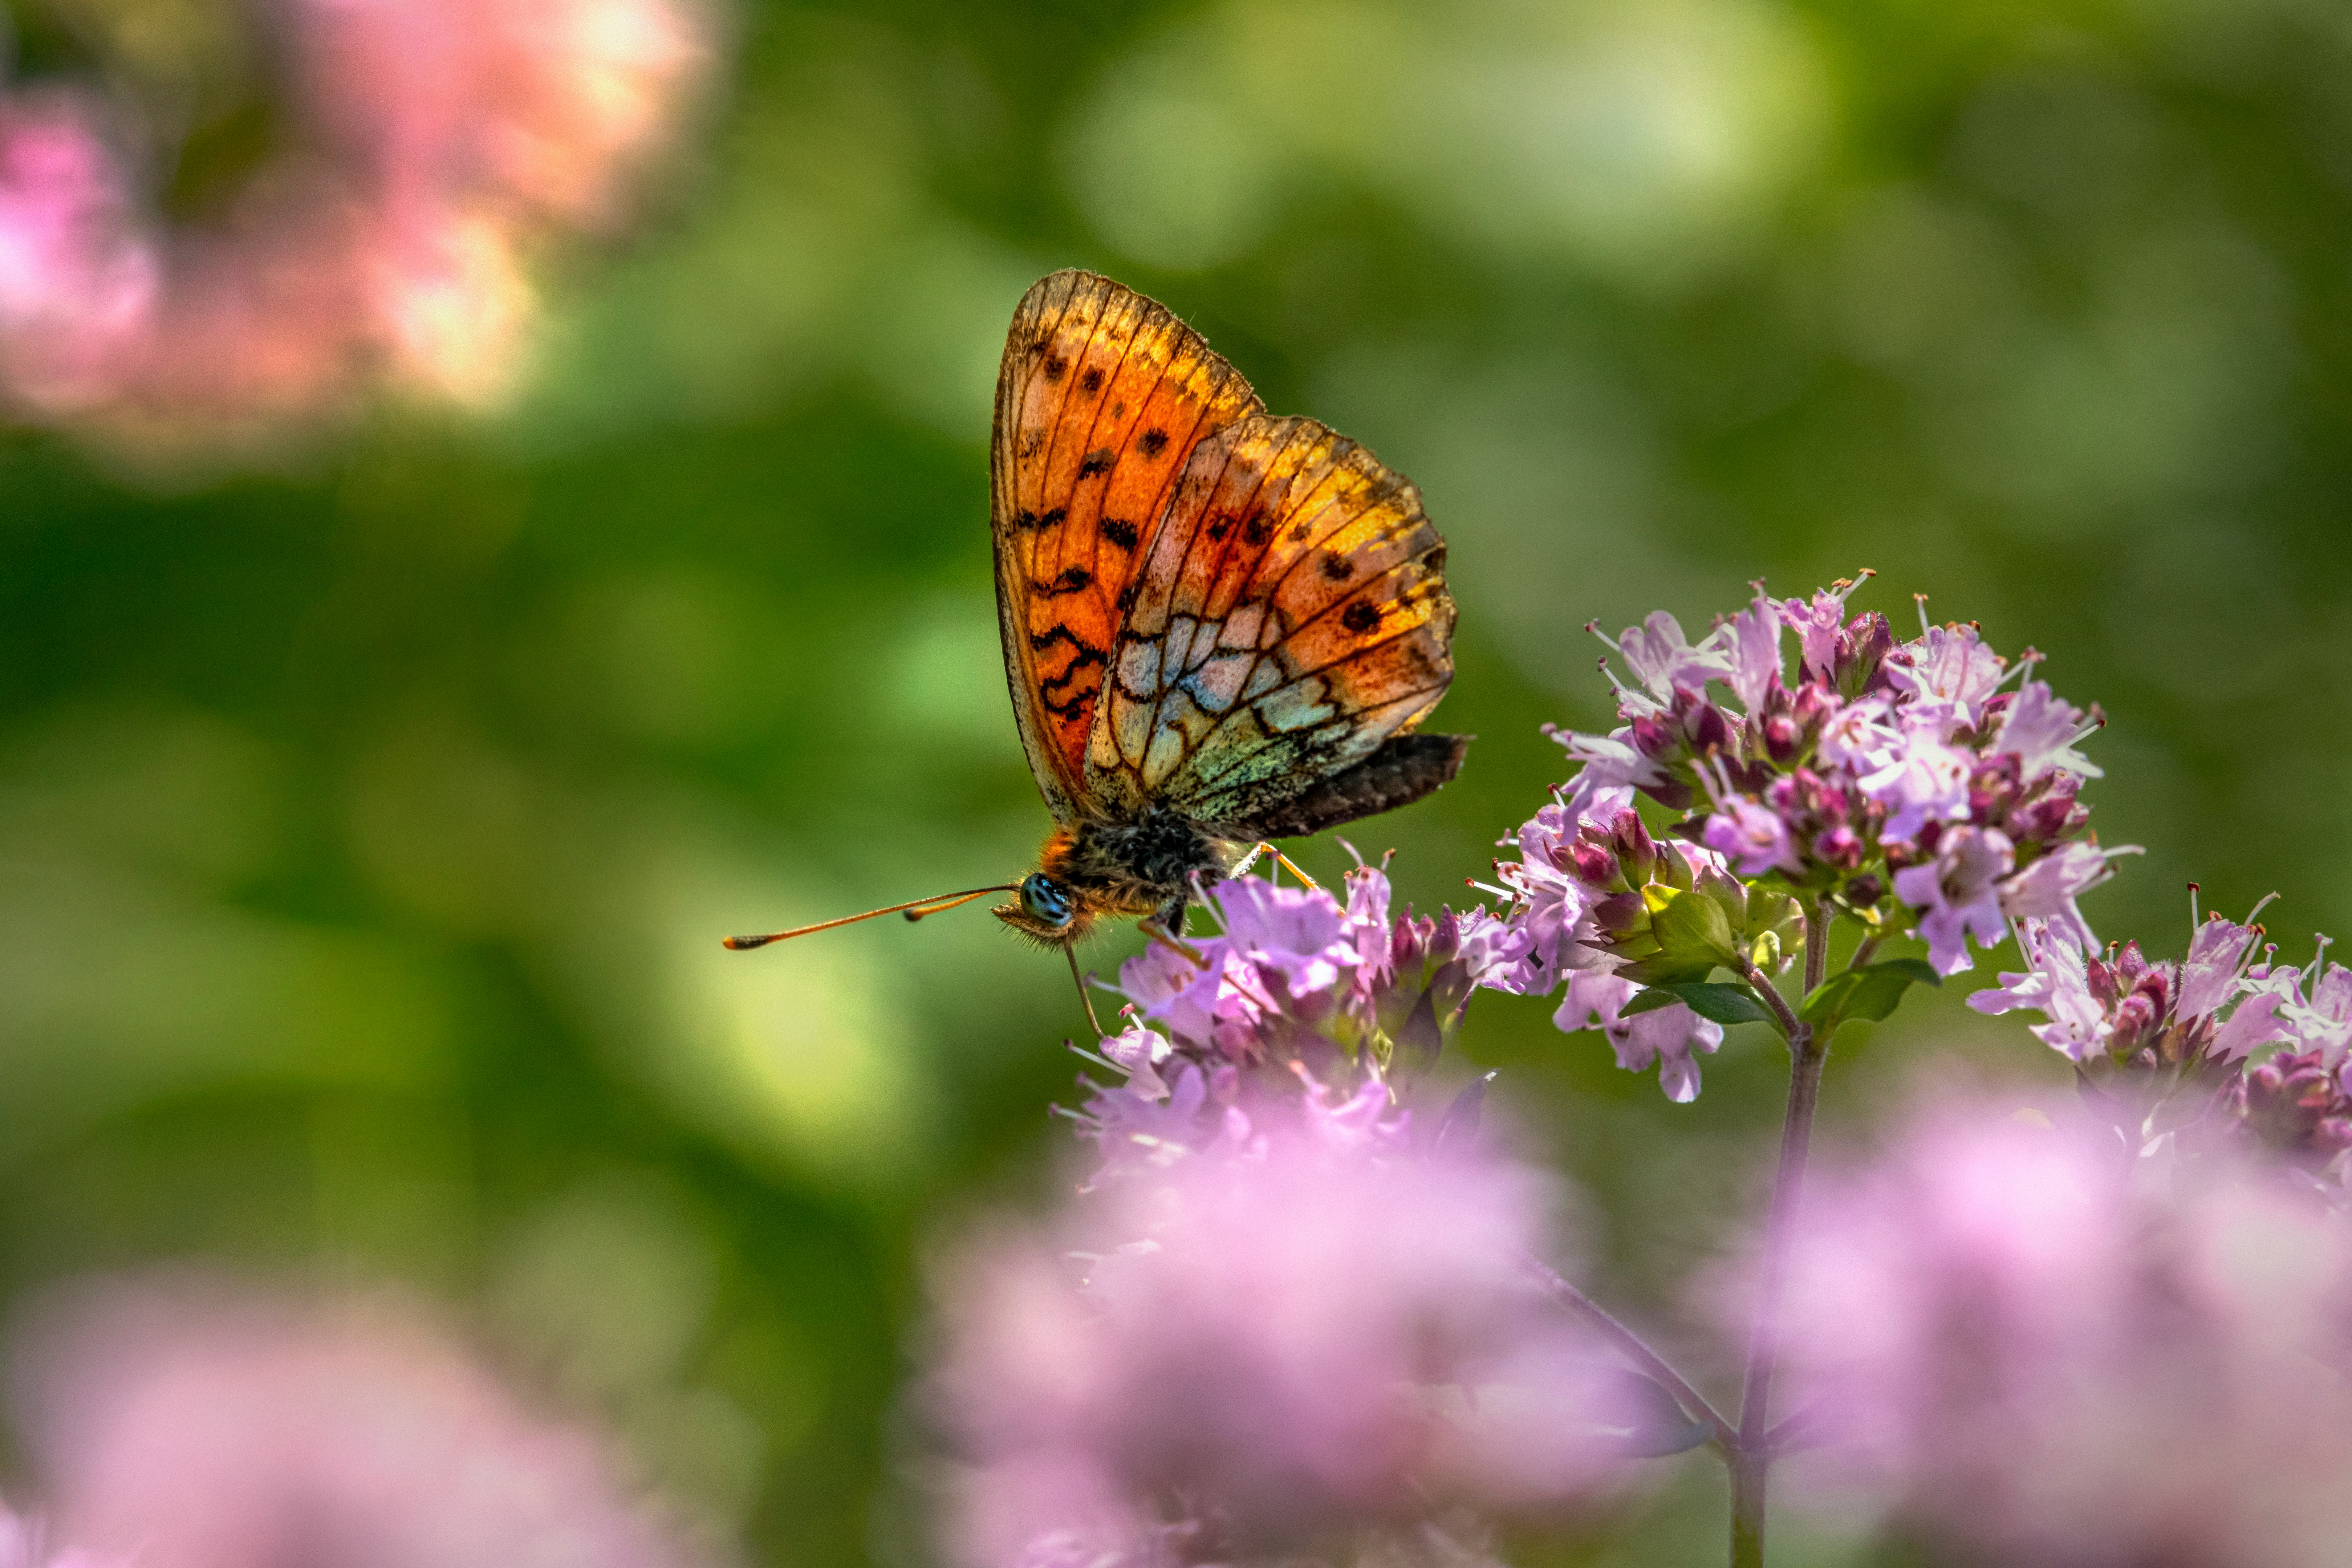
(1724, 1004)
(1691, 928)
(1869, 994)
(1649, 1000)
(1663, 969)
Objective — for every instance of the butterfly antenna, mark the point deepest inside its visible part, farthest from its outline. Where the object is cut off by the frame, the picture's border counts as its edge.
(915, 909)
(1072, 955)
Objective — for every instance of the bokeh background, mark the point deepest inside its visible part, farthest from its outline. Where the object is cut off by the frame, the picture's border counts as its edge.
(372, 796)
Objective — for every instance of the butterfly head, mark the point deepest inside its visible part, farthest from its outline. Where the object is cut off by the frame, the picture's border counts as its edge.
(1047, 910)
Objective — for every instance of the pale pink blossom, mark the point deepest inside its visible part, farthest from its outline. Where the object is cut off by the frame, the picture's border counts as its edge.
(1318, 1335)
(1817, 622)
(2034, 1359)
(431, 146)
(1752, 837)
(1750, 645)
(77, 279)
(1959, 891)
(1920, 779)
(2042, 728)
(1665, 1036)
(187, 1424)
(1948, 676)
(2046, 890)
(2055, 982)
(1663, 661)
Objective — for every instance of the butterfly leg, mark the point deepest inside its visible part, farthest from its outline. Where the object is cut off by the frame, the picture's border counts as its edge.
(1085, 1000)
(1280, 859)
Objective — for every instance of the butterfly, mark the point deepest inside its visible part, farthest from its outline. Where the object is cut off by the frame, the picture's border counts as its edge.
(1222, 626)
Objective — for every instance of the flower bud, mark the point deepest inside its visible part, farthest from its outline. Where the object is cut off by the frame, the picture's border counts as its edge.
(1624, 913)
(1864, 890)
(1635, 848)
(1595, 866)
(1840, 847)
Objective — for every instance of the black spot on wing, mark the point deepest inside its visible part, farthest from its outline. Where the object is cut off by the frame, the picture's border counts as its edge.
(1083, 652)
(1361, 617)
(1072, 579)
(1097, 461)
(1257, 531)
(1090, 382)
(1336, 567)
(1056, 368)
(1120, 532)
(1152, 442)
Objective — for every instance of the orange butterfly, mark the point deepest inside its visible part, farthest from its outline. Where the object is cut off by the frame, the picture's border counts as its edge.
(1221, 627)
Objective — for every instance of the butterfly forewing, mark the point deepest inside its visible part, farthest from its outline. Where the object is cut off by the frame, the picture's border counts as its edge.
(1102, 396)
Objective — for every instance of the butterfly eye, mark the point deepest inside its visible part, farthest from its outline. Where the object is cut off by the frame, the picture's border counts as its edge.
(1043, 898)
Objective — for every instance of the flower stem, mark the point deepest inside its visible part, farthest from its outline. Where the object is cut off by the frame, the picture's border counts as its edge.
(1751, 1459)
(1635, 1350)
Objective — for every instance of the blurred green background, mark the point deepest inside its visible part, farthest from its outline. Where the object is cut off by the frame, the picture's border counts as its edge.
(367, 826)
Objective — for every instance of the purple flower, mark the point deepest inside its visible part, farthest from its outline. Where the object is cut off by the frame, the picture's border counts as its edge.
(1208, 1006)
(2218, 950)
(1920, 780)
(1299, 935)
(76, 282)
(1961, 893)
(1948, 676)
(1818, 623)
(2056, 984)
(1750, 643)
(1608, 766)
(1753, 837)
(24, 1543)
(2041, 729)
(2295, 1106)
(1666, 1036)
(1314, 1336)
(187, 1424)
(1663, 659)
(2323, 1023)
(2030, 1361)
(2046, 890)
(1856, 737)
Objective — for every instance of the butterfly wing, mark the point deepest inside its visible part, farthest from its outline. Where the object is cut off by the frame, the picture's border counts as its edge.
(1290, 617)
(1102, 399)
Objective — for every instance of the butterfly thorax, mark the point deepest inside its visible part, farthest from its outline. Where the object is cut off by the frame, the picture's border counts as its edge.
(1148, 865)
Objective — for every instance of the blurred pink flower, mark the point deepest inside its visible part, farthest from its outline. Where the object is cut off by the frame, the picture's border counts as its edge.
(1303, 1332)
(436, 143)
(76, 280)
(2038, 1359)
(24, 1543)
(189, 1425)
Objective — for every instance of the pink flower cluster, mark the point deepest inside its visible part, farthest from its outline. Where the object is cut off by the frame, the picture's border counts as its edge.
(2180, 1036)
(182, 1422)
(1280, 1311)
(1303, 1006)
(1301, 1337)
(2031, 1355)
(1902, 784)
(436, 141)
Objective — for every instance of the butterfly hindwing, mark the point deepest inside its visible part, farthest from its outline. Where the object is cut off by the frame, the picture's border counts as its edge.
(1291, 617)
(1102, 399)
